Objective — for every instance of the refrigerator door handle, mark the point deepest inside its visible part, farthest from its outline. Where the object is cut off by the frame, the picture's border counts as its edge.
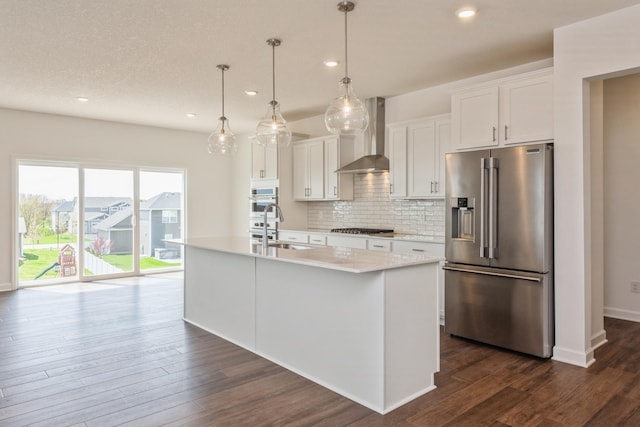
(483, 207)
(493, 207)
(488, 273)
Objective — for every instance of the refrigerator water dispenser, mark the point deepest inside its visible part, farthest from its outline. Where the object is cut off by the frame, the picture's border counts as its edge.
(462, 218)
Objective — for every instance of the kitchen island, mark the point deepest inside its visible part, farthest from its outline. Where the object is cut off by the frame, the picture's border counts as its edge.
(361, 323)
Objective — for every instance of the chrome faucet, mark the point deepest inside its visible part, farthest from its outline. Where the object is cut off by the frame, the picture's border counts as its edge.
(265, 237)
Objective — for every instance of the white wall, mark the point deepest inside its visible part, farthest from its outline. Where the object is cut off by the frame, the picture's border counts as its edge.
(46, 136)
(621, 203)
(593, 49)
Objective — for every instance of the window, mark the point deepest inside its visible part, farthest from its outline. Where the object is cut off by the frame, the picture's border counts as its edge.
(169, 217)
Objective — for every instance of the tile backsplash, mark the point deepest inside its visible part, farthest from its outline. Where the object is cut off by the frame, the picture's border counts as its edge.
(372, 207)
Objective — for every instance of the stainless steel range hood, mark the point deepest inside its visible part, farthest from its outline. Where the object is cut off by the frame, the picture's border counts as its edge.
(374, 159)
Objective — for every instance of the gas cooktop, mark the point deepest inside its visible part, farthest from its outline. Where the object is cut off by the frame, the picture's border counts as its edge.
(368, 231)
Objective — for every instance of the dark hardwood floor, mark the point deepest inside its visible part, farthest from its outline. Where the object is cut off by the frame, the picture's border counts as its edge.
(117, 352)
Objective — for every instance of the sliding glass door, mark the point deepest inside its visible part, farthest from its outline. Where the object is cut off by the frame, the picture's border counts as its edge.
(108, 222)
(88, 222)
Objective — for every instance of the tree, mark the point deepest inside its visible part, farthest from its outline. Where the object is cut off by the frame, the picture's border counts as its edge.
(100, 247)
(36, 211)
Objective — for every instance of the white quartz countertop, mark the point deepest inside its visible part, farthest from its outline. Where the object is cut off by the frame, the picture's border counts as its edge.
(331, 257)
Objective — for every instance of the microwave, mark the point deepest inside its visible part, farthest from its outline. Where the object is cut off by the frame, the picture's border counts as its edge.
(260, 197)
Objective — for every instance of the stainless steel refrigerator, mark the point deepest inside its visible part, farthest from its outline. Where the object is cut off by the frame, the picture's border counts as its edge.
(499, 247)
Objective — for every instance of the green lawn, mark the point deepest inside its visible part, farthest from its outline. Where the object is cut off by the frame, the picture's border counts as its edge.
(52, 240)
(36, 260)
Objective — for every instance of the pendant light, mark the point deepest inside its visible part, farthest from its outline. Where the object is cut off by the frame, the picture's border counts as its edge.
(222, 141)
(346, 115)
(272, 128)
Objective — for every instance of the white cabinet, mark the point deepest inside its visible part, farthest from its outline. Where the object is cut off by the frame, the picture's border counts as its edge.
(416, 155)
(264, 161)
(293, 236)
(347, 241)
(315, 162)
(336, 186)
(381, 245)
(318, 238)
(515, 110)
(308, 170)
(431, 249)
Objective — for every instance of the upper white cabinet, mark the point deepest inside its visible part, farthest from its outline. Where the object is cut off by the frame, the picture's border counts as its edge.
(514, 110)
(264, 161)
(308, 170)
(315, 162)
(416, 155)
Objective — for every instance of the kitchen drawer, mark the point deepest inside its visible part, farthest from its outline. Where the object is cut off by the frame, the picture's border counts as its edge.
(347, 241)
(293, 236)
(317, 239)
(431, 249)
(379, 245)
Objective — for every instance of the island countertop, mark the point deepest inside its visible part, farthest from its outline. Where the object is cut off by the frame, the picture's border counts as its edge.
(330, 257)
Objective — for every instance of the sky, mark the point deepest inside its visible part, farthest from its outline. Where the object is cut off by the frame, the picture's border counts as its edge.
(62, 182)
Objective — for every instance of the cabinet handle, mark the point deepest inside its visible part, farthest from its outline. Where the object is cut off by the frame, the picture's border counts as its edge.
(335, 190)
(316, 240)
(293, 238)
(417, 250)
(494, 134)
(378, 246)
(437, 186)
(431, 187)
(391, 188)
(505, 132)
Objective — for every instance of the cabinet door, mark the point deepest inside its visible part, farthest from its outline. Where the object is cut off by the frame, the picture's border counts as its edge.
(270, 161)
(300, 172)
(422, 160)
(316, 170)
(293, 236)
(526, 110)
(443, 145)
(331, 164)
(257, 161)
(474, 117)
(398, 162)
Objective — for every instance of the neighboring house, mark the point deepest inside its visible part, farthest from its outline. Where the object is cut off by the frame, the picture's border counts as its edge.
(161, 218)
(63, 218)
(119, 229)
(97, 209)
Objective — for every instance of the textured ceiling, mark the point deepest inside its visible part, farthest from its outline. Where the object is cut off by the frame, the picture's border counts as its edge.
(152, 61)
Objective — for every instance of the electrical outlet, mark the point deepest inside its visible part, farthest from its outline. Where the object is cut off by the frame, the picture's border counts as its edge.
(635, 287)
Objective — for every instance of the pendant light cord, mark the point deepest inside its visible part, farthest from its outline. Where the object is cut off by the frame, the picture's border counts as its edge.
(223, 95)
(346, 61)
(273, 70)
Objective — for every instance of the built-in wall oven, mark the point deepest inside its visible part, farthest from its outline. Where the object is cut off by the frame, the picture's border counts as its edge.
(263, 192)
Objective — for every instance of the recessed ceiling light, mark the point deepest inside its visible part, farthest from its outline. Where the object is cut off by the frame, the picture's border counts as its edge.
(251, 92)
(81, 99)
(191, 115)
(331, 63)
(466, 12)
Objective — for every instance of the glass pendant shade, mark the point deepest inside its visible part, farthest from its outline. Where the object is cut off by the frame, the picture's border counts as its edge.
(272, 128)
(222, 141)
(346, 115)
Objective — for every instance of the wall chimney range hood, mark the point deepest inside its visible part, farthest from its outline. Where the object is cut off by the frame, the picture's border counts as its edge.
(374, 159)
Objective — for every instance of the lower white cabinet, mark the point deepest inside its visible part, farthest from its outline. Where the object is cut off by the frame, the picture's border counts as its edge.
(317, 239)
(381, 245)
(347, 241)
(293, 236)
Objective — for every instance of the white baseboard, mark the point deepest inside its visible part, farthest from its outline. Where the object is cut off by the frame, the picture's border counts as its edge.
(598, 339)
(572, 357)
(4, 287)
(621, 314)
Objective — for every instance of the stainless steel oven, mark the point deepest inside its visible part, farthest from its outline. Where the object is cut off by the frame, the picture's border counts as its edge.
(262, 193)
(256, 228)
